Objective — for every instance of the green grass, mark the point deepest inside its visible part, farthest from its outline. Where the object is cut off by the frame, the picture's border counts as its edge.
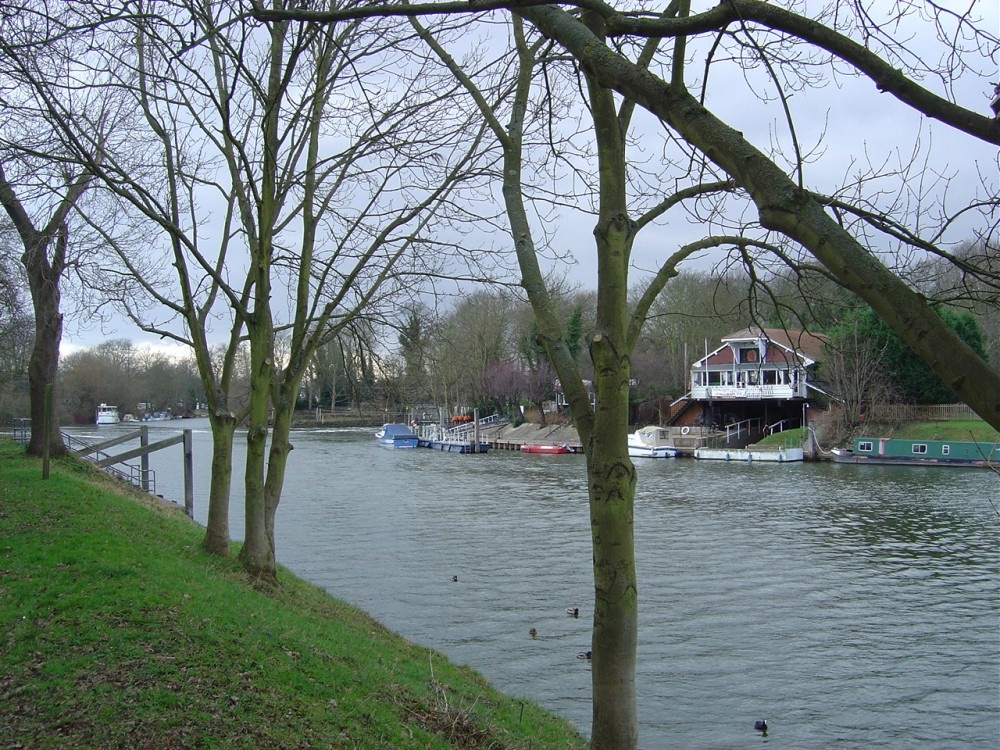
(788, 437)
(957, 429)
(116, 630)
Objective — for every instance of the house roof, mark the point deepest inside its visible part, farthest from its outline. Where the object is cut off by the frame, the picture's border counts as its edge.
(810, 344)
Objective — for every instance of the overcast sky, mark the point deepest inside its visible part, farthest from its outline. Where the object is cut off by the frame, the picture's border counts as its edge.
(851, 121)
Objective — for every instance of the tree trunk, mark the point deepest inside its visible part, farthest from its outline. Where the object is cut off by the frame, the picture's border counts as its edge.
(216, 539)
(277, 460)
(611, 480)
(257, 555)
(43, 364)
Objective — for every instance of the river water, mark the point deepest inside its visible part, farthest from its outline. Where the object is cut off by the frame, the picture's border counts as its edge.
(851, 606)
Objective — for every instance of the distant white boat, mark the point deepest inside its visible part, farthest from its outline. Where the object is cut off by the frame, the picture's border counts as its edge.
(107, 414)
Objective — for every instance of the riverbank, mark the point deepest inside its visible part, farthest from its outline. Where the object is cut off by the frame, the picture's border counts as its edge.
(511, 438)
(118, 631)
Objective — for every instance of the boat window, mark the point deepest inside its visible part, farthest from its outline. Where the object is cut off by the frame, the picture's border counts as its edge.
(945, 450)
(919, 448)
(865, 446)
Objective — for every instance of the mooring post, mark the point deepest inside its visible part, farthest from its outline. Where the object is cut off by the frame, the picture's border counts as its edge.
(188, 474)
(144, 459)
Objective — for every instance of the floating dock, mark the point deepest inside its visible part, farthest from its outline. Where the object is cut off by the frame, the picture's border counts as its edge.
(749, 455)
(455, 446)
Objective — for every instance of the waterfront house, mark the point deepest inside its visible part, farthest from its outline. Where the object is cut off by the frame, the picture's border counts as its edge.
(759, 377)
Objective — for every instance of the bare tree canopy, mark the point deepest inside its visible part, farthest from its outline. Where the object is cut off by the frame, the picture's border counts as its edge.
(758, 199)
(801, 52)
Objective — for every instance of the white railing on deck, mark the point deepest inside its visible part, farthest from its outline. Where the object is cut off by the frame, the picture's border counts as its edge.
(747, 392)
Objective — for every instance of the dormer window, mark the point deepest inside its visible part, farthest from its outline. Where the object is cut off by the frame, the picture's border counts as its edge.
(749, 356)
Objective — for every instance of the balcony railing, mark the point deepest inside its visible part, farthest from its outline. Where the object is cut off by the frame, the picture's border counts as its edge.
(748, 392)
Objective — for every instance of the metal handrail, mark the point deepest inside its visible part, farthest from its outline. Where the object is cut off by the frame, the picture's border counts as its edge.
(744, 425)
(465, 429)
(134, 474)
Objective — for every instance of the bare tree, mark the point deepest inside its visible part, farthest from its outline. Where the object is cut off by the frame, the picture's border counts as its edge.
(841, 230)
(835, 232)
(853, 368)
(775, 220)
(602, 429)
(46, 254)
(44, 189)
(292, 177)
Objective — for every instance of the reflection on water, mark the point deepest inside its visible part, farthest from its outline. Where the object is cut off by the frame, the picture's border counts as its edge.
(846, 605)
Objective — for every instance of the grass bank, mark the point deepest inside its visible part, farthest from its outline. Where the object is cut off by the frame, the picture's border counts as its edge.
(116, 630)
(956, 429)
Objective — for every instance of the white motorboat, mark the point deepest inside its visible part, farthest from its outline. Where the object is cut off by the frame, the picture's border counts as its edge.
(107, 414)
(646, 443)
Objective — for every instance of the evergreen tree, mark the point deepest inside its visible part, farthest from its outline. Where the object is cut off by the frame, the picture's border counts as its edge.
(911, 377)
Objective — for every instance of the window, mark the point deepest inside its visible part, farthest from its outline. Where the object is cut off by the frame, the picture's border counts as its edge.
(945, 450)
(919, 448)
(749, 356)
(865, 447)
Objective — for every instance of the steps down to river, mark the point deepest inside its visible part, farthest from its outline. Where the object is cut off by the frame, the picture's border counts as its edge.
(508, 437)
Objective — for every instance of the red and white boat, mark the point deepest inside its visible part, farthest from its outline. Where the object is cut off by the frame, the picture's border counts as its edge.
(552, 449)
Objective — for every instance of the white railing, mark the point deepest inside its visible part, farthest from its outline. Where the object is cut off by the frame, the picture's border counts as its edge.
(745, 427)
(465, 430)
(747, 392)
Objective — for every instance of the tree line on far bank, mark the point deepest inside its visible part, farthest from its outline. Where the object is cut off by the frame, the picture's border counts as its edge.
(482, 354)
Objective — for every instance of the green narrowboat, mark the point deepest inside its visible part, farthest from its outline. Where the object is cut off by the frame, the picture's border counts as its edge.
(906, 452)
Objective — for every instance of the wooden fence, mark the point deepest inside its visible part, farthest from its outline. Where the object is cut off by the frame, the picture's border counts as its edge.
(919, 413)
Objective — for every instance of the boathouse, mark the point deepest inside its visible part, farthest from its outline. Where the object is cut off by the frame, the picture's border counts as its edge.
(759, 378)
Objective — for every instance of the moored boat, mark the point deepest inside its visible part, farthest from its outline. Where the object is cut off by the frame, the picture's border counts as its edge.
(394, 435)
(107, 414)
(648, 443)
(909, 452)
(648, 451)
(548, 449)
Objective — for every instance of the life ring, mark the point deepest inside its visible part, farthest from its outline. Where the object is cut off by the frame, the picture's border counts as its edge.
(685, 430)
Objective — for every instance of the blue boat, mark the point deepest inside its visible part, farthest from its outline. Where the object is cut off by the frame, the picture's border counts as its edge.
(393, 435)
(907, 452)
